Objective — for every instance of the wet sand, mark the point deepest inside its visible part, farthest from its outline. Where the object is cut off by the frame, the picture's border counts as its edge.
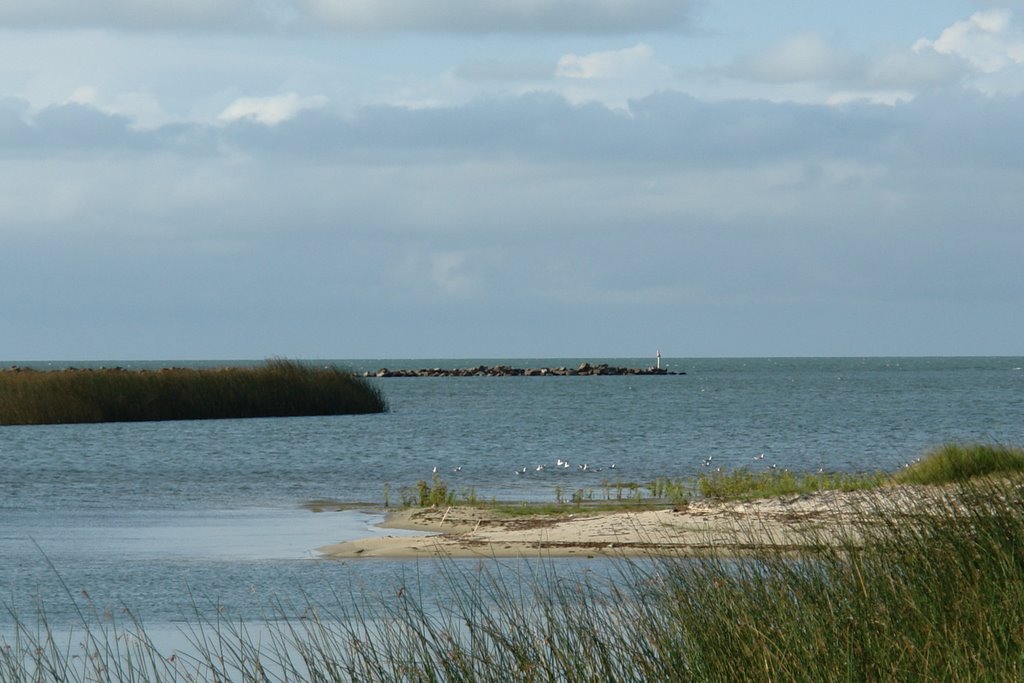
(702, 527)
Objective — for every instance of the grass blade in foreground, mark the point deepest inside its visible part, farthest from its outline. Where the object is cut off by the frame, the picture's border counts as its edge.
(930, 593)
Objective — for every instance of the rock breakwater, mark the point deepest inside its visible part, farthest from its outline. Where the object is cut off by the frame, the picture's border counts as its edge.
(584, 369)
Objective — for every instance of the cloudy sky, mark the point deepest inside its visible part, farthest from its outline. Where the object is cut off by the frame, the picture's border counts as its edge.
(192, 179)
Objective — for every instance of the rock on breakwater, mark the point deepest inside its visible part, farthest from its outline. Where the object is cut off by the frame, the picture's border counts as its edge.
(584, 369)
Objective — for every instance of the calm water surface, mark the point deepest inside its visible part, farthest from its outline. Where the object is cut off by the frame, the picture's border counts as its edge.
(141, 515)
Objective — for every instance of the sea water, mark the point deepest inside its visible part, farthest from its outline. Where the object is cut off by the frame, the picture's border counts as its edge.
(164, 520)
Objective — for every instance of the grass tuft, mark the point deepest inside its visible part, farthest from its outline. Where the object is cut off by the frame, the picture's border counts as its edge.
(278, 388)
(955, 462)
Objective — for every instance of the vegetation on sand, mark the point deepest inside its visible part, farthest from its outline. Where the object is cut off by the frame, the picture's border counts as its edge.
(743, 484)
(278, 388)
(957, 462)
(946, 464)
(950, 463)
(937, 594)
(617, 495)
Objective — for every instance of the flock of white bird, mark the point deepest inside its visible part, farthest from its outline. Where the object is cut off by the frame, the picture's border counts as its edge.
(563, 465)
(559, 464)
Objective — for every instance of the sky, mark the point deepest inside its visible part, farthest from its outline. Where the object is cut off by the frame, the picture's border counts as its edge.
(245, 179)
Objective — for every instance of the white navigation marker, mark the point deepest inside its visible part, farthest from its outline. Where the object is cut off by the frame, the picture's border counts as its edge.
(657, 359)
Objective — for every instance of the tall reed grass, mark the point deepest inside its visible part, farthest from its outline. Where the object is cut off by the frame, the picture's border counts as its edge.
(933, 593)
(278, 388)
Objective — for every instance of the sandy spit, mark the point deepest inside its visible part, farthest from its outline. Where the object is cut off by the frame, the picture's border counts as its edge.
(702, 527)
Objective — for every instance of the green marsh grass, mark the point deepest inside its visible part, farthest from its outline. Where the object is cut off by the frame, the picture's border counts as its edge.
(949, 463)
(278, 388)
(433, 494)
(936, 593)
(743, 484)
(956, 462)
(617, 496)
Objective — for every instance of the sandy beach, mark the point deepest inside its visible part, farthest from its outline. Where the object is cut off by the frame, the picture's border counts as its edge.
(701, 527)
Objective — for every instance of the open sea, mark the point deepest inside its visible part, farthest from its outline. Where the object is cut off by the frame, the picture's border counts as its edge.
(168, 520)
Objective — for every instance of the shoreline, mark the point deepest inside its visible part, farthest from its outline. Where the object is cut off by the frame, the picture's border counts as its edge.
(703, 527)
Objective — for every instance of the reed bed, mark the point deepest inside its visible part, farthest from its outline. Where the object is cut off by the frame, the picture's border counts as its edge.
(931, 593)
(278, 388)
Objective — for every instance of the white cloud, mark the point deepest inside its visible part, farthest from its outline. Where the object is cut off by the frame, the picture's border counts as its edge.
(141, 108)
(272, 110)
(85, 94)
(911, 69)
(989, 41)
(610, 64)
(801, 57)
(887, 97)
(985, 51)
(612, 77)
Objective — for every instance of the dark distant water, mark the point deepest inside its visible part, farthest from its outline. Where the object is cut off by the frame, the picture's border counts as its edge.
(139, 514)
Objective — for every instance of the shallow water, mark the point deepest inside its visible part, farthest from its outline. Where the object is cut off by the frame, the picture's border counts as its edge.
(140, 515)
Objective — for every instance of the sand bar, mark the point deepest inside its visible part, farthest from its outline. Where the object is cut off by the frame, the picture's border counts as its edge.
(701, 527)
